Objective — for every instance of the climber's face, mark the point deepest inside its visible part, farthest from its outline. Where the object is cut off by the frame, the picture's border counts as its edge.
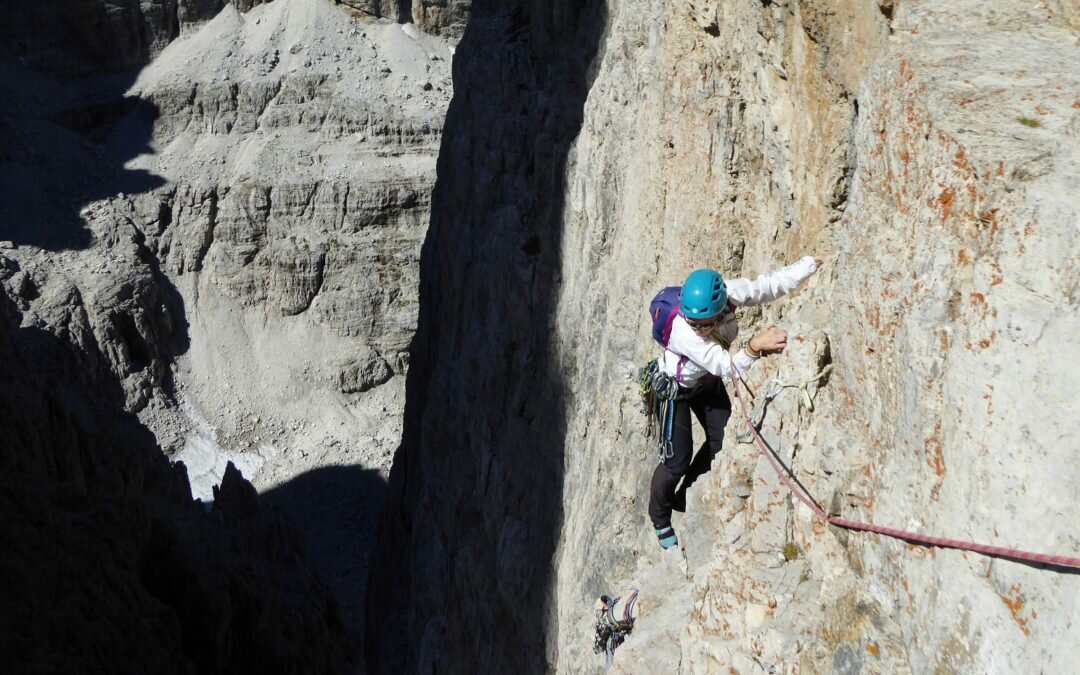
(703, 326)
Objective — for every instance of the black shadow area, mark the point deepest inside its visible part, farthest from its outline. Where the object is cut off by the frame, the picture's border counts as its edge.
(109, 566)
(63, 145)
(335, 510)
(462, 574)
(64, 68)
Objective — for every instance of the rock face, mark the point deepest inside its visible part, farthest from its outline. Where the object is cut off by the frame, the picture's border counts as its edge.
(89, 37)
(223, 243)
(108, 564)
(296, 147)
(439, 17)
(741, 137)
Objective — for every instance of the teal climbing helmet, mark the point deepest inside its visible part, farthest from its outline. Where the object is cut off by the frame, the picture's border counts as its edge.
(703, 295)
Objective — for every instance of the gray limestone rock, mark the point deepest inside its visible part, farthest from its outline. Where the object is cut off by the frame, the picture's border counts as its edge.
(368, 369)
(931, 148)
(108, 563)
(229, 233)
(440, 17)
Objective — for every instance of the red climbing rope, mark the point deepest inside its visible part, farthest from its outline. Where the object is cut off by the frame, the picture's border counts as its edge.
(804, 497)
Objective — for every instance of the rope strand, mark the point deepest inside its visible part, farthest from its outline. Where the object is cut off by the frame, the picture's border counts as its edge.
(913, 537)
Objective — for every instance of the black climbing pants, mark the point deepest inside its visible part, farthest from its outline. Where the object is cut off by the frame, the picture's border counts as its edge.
(711, 405)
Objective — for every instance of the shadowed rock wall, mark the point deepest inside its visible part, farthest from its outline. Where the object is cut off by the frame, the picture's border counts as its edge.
(463, 570)
(108, 564)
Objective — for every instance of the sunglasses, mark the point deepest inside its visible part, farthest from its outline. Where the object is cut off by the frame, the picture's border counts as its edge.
(703, 325)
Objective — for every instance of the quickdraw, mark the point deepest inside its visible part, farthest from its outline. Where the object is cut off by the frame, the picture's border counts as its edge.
(658, 391)
(612, 631)
(774, 388)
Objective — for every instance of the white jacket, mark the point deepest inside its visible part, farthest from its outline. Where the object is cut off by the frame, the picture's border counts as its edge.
(709, 353)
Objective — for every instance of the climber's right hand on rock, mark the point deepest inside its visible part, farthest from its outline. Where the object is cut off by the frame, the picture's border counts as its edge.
(772, 340)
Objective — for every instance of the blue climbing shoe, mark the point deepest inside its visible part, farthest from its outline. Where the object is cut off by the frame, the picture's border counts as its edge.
(667, 537)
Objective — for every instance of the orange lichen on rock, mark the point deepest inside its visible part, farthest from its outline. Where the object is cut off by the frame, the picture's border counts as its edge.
(945, 202)
(987, 221)
(943, 338)
(906, 73)
(935, 457)
(873, 317)
(1015, 602)
(960, 160)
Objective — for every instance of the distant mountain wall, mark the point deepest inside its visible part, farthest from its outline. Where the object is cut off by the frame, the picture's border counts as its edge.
(183, 185)
(77, 38)
(439, 17)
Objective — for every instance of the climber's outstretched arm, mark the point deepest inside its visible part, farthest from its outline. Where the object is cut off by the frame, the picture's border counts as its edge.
(769, 287)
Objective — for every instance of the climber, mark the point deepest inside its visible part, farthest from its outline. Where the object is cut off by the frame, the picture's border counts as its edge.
(696, 356)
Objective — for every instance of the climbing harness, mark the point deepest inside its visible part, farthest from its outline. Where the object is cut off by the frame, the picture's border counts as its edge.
(658, 392)
(612, 631)
(774, 388)
(789, 480)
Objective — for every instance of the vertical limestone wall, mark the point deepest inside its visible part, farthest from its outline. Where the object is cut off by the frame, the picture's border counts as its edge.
(440, 17)
(462, 575)
(934, 168)
(930, 150)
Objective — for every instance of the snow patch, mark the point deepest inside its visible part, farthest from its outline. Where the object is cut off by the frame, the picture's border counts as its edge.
(206, 460)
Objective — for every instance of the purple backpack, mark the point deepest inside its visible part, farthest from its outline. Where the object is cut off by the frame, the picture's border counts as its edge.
(662, 310)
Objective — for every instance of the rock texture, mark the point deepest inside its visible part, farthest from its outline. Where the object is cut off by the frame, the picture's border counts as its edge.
(439, 17)
(296, 147)
(223, 243)
(108, 564)
(89, 37)
(929, 148)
